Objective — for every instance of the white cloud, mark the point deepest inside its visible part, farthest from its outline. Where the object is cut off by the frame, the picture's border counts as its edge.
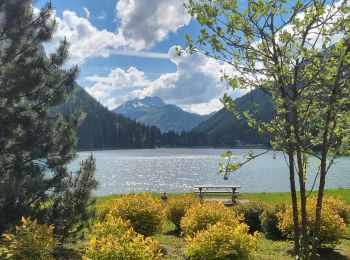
(195, 85)
(146, 22)
(204, 108)
(87, 12)
(86, 40)
(118, 79)
(197, 80)
(142, 24)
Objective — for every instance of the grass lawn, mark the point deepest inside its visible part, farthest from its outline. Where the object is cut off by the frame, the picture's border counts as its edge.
(268, 249)
(275, 197)
(270, 197)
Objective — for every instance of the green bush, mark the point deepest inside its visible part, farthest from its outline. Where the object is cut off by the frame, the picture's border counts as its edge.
(332, 228)
(177, 207)
(251, 212)
(30, 241)
(115, 239)
(143, 211)
(269, 221)
(200, 216)
(222, 242)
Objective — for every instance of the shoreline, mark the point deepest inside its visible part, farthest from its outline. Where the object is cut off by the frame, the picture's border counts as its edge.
(273, 197)
(186, 147)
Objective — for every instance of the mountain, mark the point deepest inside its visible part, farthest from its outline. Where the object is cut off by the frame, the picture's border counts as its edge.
(104, 129)
(222, 129)
(153, 111)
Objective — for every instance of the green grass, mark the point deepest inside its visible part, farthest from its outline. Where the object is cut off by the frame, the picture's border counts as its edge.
(269, 197)
(275, 197)
(174, 246)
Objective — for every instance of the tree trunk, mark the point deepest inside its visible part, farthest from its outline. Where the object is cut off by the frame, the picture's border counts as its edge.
(290, 152)
(294, 205)
(303, 202)
(317, 227)
(322, 184)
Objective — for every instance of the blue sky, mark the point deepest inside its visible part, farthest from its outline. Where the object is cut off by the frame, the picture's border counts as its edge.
(125, 49)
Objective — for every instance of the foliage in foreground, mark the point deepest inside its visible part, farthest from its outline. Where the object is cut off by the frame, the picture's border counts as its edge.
(114, 238)
(176, 208)
(73, 206)
(144, 212)
(200, 216)
(36, 141)
(297, 63)
(269, 220)
(221, 241)
(29, 241)
(333, 226)
(251, 212)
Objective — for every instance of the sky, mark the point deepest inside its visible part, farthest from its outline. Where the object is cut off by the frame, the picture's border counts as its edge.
(125, 49)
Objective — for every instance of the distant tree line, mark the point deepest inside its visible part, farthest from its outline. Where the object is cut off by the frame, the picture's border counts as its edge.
(103, 129)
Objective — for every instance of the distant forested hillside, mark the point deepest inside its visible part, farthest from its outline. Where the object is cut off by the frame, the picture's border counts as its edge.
(167, 117)
(103, 129)
(222, 129)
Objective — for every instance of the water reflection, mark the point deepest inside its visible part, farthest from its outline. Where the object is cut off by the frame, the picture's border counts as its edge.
(177, 170)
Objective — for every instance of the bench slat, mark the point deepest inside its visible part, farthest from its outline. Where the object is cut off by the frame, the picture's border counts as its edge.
(228, 192)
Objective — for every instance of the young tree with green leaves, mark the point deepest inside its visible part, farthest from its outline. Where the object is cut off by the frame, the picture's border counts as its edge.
(298, 53)
(36, 142)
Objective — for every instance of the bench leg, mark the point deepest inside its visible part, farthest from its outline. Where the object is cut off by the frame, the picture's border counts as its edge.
(200, 195)
(233, 196)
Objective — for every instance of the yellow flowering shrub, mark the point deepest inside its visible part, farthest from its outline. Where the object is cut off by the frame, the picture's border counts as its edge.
(143, 211)
(114, 238)
(221, 241)
(201, 215)
(177, 207)
(332, 228)
(30, 241)
(338, 205)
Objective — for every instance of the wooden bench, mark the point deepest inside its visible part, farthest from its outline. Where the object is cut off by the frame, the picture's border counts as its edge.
(217, 190)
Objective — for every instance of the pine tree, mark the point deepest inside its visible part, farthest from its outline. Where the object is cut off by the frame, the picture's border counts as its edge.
(36, 143)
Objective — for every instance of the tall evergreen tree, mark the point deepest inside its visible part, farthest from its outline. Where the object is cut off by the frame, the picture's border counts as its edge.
(36, 143)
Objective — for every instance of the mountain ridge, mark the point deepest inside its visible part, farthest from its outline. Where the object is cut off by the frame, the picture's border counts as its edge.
(222, 129)
(154, 111)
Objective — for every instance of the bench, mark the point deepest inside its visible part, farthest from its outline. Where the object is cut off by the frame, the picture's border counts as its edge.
(217, 190)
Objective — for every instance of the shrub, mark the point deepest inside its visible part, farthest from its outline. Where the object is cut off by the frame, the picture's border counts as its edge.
(116, 239)
(332, 225)
(30, 241)
(144, 212)
(177, 207)
(269, 221)
(200, 216)
(338, 205)
(221, 241)
(251, 212)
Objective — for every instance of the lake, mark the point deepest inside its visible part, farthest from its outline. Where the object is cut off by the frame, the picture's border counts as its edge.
(177, 170)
